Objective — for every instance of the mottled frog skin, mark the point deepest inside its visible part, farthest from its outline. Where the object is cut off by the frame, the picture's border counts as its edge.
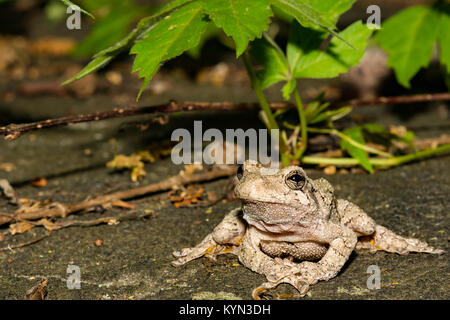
(293, 230)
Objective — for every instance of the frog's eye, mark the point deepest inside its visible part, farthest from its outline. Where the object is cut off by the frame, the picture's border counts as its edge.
(295, 180)
(240, 172)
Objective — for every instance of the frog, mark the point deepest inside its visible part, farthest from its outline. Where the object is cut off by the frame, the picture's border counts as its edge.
(292, 229)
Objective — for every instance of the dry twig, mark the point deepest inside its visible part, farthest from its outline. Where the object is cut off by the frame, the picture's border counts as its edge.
(61, 210)
(24, 244)
(14, 131)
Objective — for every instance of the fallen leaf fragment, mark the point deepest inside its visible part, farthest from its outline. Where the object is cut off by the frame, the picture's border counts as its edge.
(38, 292)
(330, 170)
(50, 226)
(8, 191)
(52, 46)
(191, 168)
(20, 227)
(398, 130)
(135, 162)
(215, 75)
(39, 183)
(123, 204)
(187, 197)
(113, 222)
(114, 77)
(7, 167)
(98, 242)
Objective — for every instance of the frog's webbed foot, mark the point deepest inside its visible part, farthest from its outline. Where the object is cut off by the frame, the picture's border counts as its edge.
(225, 238)
(385, 239)
(208, 249)
(300, 275)
(208, 245)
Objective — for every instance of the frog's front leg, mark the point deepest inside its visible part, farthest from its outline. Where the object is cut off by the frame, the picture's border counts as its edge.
(341, 242)
(275, 270)
(225, 238)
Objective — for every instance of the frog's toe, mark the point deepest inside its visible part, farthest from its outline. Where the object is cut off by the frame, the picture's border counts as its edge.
(184, 256)
(297, 282)
(301, 285)
(178, 263)
(257, 292)
(181, 253)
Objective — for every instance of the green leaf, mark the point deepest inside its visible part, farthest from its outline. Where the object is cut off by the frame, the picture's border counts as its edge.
(331, 115)
(330, 10)
(356, 134)
(444, 35)
(314, 109)
(70, 3)
(170, 37)
(408, 37)
(306, 15)
(288, 88)
(385, 136)
(308, 61)
(269, 55)
(108, 30)
(375, 128)
(91, 67)
(211, 32)
(243, 20)
(302, 41)
(172, 5)
(103, 57)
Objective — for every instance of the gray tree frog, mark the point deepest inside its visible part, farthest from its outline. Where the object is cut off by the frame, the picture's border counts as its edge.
(293, 230)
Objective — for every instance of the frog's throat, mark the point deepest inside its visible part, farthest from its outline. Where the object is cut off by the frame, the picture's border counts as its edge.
(279, 227)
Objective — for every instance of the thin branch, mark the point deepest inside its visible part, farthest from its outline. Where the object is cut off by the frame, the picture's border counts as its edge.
(398, 99)
(61, 210)
(24, 244)
(14, 131)
(92, 222)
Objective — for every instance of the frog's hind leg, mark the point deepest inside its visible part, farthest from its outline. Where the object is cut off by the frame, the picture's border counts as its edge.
(386, 240)
(376, 237)
(225, 238)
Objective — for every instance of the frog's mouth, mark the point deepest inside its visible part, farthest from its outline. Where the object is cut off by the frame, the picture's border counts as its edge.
(270, 207)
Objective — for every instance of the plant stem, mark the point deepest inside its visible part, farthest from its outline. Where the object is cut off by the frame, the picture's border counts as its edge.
(351, 141)
(303, 124)
(256, 85)
(391, 162)
(271, 122)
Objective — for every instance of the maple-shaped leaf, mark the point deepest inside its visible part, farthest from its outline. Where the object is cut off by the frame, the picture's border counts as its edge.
(307, 61)
(177, 32)
(409, 37)
(243, 20)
